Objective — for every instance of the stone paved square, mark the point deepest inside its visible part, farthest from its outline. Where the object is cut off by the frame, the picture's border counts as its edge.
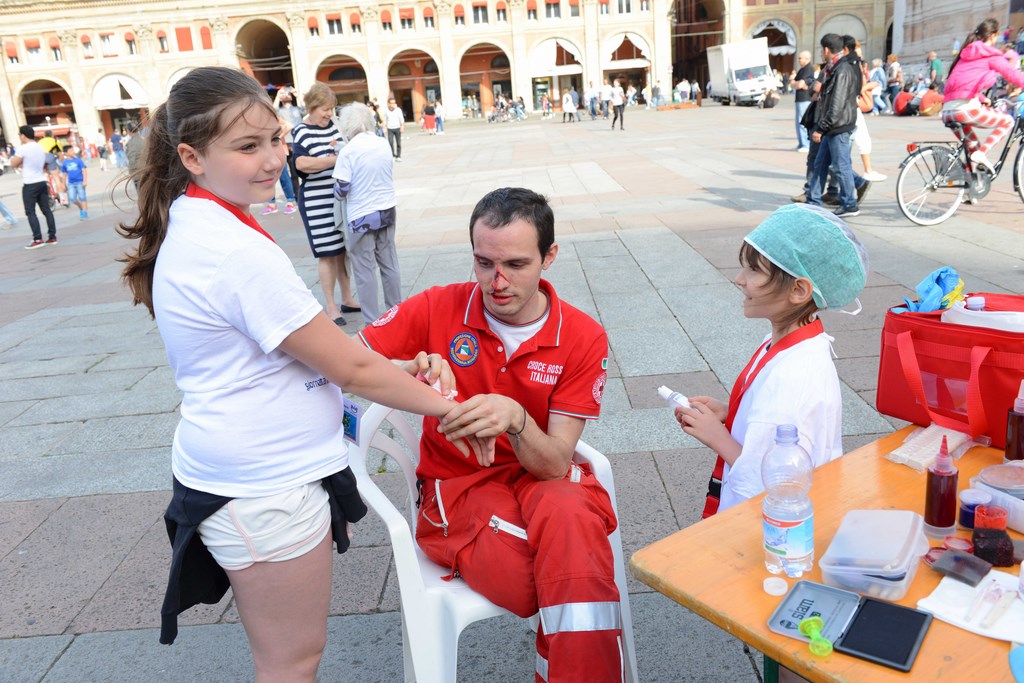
(649, 221)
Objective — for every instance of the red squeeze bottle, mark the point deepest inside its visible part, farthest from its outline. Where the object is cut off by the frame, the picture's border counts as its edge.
(940, 495)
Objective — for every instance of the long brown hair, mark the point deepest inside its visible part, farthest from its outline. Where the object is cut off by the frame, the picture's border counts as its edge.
(191, 115)
(985, 30)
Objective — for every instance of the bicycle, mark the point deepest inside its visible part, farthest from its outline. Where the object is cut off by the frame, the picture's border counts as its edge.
(936, 175)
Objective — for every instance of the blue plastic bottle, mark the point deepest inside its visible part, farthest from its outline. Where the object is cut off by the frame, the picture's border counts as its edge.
(787, 511)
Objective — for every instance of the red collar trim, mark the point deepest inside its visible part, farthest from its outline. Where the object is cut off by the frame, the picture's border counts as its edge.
(197, 192)
(746, 378)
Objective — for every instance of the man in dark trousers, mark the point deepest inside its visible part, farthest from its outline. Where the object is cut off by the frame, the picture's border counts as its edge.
(834, 120)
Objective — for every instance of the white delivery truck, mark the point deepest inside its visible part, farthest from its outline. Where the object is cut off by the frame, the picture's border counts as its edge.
(740, 73)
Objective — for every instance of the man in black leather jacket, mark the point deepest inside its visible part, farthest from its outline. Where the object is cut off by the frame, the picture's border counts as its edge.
(835, 118)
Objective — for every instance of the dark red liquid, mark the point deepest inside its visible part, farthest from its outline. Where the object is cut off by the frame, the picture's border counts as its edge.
(1014, 437)
(940, 500)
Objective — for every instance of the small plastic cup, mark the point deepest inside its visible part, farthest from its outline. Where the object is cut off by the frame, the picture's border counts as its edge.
(990, 517)
(970, 499)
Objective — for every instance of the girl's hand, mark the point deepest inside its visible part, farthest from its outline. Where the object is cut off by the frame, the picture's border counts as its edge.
(701, 423)
(720, 410)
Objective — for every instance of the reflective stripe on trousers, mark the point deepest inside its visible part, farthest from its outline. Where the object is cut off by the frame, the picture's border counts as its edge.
(580, 616)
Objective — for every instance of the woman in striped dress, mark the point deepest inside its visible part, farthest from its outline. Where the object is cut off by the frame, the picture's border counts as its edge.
(315, 144)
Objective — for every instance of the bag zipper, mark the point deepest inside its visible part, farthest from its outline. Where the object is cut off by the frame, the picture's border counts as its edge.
(498, 524)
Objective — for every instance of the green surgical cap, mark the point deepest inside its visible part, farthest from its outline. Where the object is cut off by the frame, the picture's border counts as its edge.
(808, 241)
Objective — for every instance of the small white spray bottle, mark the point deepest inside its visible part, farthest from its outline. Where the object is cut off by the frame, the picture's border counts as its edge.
(673, 398)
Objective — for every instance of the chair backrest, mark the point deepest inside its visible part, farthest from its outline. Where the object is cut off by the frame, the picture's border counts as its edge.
(375, 434)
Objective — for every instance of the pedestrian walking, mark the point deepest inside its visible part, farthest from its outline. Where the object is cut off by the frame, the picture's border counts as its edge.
(394, 119)
(315, 143)
(618, 102)
(363, 175)
(31, 159)
(803, 85)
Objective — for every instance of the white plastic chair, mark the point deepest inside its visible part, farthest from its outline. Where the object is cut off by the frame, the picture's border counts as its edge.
(434, 611)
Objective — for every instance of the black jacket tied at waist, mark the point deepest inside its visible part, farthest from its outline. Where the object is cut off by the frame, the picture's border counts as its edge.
(195, 577)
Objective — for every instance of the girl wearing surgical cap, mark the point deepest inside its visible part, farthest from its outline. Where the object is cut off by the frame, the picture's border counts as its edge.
(800, 260)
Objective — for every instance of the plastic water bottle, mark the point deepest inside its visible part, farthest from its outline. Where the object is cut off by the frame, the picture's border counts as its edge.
(788, 513)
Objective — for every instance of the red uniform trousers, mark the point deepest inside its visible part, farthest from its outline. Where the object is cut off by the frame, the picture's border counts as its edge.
(530, 545)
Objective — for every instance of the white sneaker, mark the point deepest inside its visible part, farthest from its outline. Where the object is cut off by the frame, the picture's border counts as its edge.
(874, 176)
(980, 159)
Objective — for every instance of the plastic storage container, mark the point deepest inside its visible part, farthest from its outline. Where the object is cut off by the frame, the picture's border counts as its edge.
(875, 552)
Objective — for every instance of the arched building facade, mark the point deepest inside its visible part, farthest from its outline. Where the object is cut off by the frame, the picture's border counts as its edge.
(101, 69)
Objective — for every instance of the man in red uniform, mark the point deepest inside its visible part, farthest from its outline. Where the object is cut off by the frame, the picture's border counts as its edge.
(523, 525)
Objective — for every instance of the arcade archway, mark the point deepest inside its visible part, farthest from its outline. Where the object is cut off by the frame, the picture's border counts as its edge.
(484, 73)
(413, 80)
(263, 52)
(346, 77)
(626, 58)
(48, 107)
(781, 43)
(699, 25)
(555, 65)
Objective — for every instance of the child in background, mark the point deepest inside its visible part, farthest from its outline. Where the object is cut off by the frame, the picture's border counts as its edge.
(800, 260)
(261, 480)
(76, 177)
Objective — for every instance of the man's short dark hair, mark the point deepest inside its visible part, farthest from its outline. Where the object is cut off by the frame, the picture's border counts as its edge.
(504, 205)
(849, 43)
(832, 41)
(28, 131)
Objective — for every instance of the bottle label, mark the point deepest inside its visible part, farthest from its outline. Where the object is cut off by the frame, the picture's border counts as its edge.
(791, 538)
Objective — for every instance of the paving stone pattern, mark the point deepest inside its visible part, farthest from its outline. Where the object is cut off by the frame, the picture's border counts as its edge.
(649, 223)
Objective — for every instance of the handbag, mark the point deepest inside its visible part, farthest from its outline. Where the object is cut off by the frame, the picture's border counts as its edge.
(957, 376)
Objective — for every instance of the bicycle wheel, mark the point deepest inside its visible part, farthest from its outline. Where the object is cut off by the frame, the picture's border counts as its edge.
(1018, 172)
(931, 185)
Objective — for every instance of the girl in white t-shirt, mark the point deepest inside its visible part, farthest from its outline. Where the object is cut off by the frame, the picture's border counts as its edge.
(800, 260)
(259, 363)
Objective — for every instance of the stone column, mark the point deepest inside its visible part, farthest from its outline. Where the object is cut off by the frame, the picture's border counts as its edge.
(520, 57)
(10, 112)
(593, 69)
(448, 68)
(663, 14)
(809, 37)
(156, 89)
(303, 72)
(86, 118)
(733, 20)
(222, 43)
(377, 76)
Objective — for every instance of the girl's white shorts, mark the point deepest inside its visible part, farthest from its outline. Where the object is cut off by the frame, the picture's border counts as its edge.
(268, 529)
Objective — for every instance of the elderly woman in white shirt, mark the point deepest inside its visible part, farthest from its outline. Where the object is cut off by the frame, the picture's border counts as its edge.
(363, 177)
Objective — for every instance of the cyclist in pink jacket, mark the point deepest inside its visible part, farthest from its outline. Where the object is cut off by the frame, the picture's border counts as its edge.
(973, 71)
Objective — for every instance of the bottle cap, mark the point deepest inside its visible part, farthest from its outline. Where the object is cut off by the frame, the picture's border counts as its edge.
(944, 461)
(775, 585)
(788, 433)
(1018, 403)
(975, 303)
(664, 392)
(975, 497)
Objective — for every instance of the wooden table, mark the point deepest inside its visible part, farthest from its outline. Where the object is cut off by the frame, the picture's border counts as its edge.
(715, 568)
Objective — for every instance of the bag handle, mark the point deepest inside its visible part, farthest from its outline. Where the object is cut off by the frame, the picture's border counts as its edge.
(977, 422)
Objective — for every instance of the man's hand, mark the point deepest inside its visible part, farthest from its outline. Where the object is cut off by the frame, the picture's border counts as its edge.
(816, 136)
(432, 367)
(484, 416)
